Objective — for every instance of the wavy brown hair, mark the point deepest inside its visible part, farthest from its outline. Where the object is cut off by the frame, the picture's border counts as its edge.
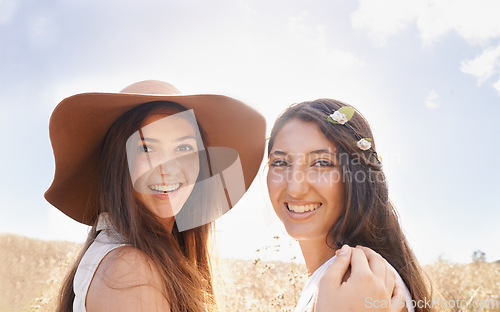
(368, 217)
(182, 258)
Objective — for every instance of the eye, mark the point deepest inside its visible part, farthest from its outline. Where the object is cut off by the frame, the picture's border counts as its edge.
(278, 163)
(145, 148)
(322, 163)
(185, 148)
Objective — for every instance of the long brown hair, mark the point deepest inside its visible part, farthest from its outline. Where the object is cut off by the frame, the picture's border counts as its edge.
(368, 218)
(182, 258)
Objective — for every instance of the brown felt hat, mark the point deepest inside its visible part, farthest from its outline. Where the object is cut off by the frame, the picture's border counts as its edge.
(80, 122)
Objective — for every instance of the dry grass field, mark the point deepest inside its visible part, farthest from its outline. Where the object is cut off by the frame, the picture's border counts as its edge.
(32, 270)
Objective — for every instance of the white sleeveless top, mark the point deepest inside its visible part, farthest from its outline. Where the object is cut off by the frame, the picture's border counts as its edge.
(309, 293)
(104, 243)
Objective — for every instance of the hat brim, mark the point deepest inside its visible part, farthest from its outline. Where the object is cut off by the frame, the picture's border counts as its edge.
(79, 124)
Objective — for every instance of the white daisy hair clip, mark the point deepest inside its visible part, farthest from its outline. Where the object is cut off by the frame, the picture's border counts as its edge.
(364, 144)
(342, 116)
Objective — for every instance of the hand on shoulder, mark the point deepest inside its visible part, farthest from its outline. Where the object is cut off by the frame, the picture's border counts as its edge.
(371, 278)
(126, 280)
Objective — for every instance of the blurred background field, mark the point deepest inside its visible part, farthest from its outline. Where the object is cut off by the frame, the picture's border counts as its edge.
(31, 272)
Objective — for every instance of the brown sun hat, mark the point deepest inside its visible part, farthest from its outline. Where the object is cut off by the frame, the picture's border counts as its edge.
(79, 124)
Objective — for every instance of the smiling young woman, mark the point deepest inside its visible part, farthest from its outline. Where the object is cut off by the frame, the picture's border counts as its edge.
(326, 185)
(150, 178)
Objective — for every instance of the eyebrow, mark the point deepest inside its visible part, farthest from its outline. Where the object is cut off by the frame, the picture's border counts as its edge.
(184, 138)
(278, 153)
(319, 151)
(150, 140)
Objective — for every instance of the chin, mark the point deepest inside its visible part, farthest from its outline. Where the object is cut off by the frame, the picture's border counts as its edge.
(166, 212)
(303, 233)
(164, 215)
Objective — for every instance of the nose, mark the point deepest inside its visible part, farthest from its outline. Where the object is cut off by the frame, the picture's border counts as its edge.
(170, 168)
(297, 184)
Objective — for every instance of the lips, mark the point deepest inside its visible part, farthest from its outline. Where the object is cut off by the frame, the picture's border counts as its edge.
(302, 208)
(164, 188)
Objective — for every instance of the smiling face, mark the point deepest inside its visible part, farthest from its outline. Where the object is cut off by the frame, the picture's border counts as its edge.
(304, 180)
(164, 163)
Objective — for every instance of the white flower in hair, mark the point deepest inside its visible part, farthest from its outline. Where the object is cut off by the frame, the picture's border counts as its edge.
(364, 144)
(339, 117)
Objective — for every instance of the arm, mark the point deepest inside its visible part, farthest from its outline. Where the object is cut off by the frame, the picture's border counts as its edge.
(370, 279)
(126, 281)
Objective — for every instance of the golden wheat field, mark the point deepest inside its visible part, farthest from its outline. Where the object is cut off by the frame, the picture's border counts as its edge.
(31, 272)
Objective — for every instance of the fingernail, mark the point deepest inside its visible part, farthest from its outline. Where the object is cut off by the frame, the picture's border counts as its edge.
(343, 251)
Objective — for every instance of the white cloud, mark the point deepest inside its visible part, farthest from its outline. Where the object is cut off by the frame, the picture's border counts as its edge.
(343, 60)
(496, 85)
(385, 18)
(312, 41)
(475, 21)
(432, 100)
(484, 65)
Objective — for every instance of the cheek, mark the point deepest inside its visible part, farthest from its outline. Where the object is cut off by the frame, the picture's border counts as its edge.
(191, 169)
(192, 174)
(275, 182)
(329, 185)
(337, 188)
(137, 170)
(276, 186)
(188, 190)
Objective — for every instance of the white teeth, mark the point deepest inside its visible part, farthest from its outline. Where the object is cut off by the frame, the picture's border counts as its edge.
(168, 188)
(303, 208)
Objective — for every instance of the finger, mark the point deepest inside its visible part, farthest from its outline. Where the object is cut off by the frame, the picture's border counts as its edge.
(376, 262)
(390, 277)
(398, 299)
(359, 263)
(335, 273)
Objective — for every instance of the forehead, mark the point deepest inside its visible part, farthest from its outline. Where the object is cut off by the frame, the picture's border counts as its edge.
(297, 136)
(167, 125)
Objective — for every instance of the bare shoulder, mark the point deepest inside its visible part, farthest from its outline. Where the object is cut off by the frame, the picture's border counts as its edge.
(126, 280)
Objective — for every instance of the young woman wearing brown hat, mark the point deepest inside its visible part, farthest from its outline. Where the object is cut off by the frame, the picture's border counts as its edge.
(150, 169)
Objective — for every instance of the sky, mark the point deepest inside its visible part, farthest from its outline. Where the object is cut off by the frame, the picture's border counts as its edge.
(426, 75)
